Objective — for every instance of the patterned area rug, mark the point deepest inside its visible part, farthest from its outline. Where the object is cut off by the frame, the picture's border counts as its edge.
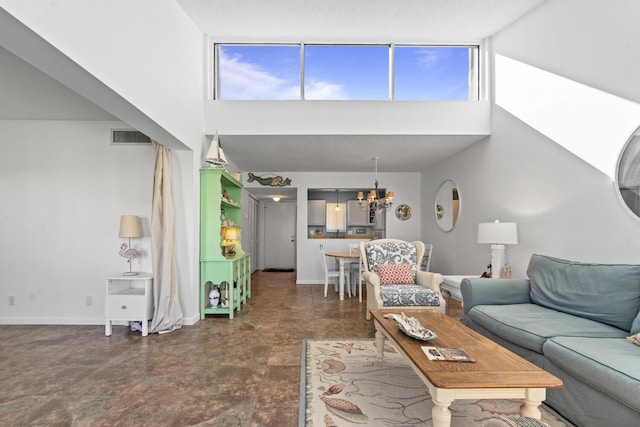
(343, 384)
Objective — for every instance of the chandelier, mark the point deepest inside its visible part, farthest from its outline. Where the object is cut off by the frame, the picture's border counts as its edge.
(374, 201)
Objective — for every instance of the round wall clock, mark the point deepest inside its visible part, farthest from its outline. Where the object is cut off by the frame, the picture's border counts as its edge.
(403, 212)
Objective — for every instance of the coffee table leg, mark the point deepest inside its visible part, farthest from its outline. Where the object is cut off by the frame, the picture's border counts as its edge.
(533, 398)
(380, 344)
(440, 413)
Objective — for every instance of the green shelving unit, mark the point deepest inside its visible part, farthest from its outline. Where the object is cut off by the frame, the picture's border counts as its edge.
(221, 209)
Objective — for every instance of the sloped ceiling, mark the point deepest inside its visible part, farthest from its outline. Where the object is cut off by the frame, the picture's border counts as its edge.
(27, 93)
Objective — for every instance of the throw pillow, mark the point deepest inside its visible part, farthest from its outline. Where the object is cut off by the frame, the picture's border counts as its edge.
(635, 339)
(395, 274)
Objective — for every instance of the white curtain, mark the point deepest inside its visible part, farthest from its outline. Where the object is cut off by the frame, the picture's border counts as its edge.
(167, 315)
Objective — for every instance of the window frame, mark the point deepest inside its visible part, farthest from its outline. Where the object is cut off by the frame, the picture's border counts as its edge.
(476, 70)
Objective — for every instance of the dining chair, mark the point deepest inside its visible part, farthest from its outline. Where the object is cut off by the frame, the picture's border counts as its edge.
(355, 268)
(425, 265)
(333, 273)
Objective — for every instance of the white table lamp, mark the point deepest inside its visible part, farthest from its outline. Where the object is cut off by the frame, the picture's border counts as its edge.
(129, 227)
(498, 234)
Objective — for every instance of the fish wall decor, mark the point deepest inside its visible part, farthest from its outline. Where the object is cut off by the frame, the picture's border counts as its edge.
(273, 181)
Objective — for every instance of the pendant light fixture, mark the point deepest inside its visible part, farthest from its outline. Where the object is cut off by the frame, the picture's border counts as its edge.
(374, 201)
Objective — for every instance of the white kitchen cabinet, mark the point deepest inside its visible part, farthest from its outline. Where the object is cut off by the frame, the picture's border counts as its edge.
(129, 298)
(316, 210)
(355, 215)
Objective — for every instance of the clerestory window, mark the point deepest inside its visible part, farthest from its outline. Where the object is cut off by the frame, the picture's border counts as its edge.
(346, 72)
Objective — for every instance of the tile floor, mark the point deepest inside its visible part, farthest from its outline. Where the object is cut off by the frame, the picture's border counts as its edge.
(219, 372)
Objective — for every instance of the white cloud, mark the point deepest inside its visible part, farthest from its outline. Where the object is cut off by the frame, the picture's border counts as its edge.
(319, 90)
(433, 58)
(243, 80)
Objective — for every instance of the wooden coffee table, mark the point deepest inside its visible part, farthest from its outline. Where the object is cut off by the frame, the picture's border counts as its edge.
(496, 374)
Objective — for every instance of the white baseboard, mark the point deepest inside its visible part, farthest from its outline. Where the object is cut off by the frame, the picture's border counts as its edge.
(52, 321)
(190, 321)
(187, 321)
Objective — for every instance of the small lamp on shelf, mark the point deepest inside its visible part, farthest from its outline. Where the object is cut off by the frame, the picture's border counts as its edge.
(129, 228)
(498, 234)
(229, 242)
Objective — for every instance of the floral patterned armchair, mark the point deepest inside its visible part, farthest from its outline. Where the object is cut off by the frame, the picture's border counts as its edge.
(390, 270)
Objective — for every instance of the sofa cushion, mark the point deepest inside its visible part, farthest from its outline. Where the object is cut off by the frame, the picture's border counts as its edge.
(408, 295)
(391, 253)
(606, 364)
(395, 274)
(530, 325)
(608, 293)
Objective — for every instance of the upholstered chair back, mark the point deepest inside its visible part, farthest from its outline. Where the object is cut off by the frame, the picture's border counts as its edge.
(391, 251)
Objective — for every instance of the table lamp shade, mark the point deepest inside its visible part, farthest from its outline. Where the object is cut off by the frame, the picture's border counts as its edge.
(231, 234)
(503, 233)
(130, 226)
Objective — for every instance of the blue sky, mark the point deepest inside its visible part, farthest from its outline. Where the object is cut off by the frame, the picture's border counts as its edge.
(343, 72)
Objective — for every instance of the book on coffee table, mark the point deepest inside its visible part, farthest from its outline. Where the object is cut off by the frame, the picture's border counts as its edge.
(447, 354)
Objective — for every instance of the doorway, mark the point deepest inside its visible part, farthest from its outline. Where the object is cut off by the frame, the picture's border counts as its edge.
(253, 235)
(279, 235)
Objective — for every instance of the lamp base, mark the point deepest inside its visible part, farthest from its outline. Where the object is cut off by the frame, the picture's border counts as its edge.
(498, 256)
(130, 273)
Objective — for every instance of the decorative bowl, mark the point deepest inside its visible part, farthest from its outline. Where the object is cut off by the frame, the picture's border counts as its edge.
(412, 327)
(422, 334)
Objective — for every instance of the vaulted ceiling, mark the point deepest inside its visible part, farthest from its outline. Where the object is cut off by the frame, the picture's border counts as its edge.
(27, 93)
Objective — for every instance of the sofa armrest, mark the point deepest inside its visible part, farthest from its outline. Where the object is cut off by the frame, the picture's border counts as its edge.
(479, 291)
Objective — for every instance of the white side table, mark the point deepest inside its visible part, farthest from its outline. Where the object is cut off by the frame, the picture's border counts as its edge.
(129, 298)
(450, 287)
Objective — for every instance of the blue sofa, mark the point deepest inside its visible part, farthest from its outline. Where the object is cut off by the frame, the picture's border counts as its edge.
(571, 319)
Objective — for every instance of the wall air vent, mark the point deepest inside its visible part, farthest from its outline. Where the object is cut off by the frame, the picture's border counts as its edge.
(128, 137)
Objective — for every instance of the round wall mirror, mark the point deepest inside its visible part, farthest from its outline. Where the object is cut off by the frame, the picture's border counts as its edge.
(403, 212)
(447, 206)
(628, 174)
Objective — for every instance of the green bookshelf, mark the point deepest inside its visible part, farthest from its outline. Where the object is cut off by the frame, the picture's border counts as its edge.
(220, 210)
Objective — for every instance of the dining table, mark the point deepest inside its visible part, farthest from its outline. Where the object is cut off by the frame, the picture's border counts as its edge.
(342, 257)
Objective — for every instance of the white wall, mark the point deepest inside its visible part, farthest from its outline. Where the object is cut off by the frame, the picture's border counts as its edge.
(63, 190)
(64, 187)
(143, 63)
(406, 187)
(348, 118)
(563, 206)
